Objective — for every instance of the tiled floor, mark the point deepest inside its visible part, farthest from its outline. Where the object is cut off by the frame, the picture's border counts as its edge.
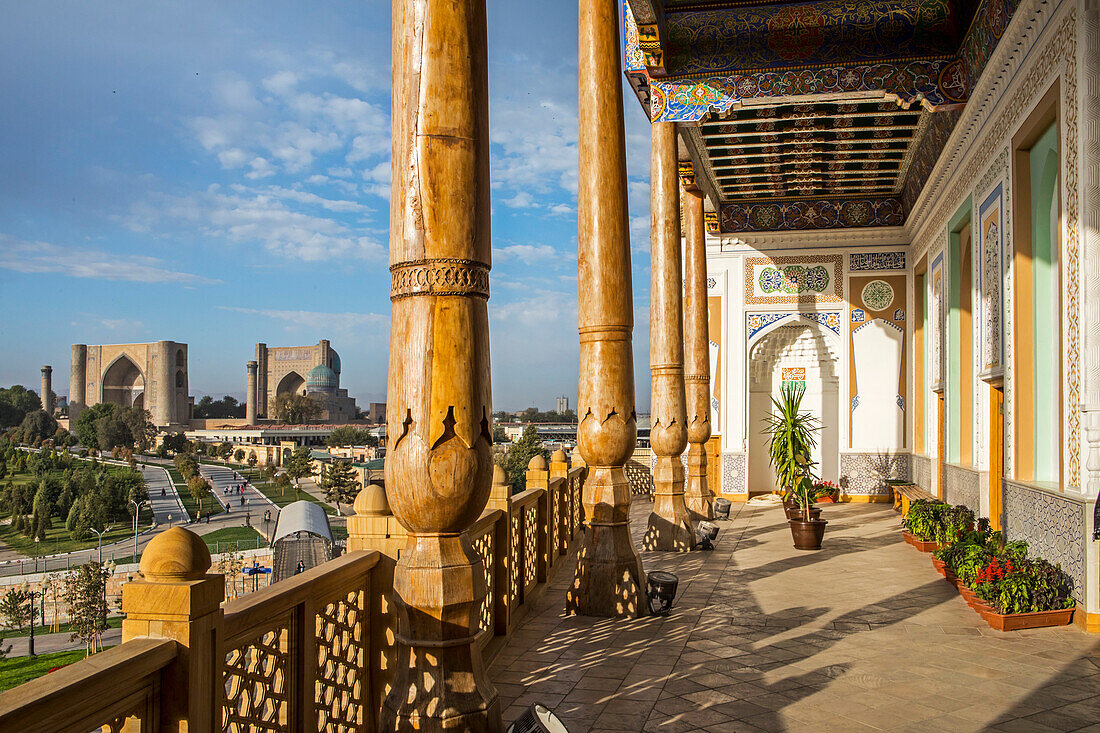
(862, 635)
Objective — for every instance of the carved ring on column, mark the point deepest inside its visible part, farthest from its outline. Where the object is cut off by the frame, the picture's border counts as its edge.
(440, 276)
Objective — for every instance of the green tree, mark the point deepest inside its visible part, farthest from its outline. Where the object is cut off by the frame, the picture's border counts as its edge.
(519, 455)
(87, 431)
(15, 608)
(347, 435)
(15, 403)
(225, 450)
(282, 483)
(339, 483)
(238, 455)
(299, 466)
(176, 443)
(37, 426)
(252, 460)
(85, 594)
(199, 489)
(226, 407)
(295, 409)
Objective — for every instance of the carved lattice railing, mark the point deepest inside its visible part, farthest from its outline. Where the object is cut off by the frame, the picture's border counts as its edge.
(311, 653)
(103, 693)
(296, 652)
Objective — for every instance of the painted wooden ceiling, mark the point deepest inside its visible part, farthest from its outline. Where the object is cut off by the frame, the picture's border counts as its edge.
(829, 100)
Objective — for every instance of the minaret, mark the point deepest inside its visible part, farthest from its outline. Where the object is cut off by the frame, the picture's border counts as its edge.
(77, 381)
(47, 389)
(250, 394)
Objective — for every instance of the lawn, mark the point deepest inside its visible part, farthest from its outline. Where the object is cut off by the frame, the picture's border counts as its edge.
(17, 670)
(58, 540)
(209, 508)
(246, 538)
(269, 490)
(113, 622)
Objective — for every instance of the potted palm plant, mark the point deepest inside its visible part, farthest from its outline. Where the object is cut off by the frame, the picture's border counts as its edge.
(791, 439)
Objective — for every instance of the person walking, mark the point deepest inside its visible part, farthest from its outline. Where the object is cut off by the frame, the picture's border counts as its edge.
(301, 567)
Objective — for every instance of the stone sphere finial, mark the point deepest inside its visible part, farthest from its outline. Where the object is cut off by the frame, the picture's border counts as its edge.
(174, 556)
(372, 502)
(558, 456)
(500, 477)
(538, 463)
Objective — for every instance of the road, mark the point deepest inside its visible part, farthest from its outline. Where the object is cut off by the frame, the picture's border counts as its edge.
(47, 643)
(13, 564)
(225, 482)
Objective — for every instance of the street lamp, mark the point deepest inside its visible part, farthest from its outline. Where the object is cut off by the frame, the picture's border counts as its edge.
(99, 533)
(36, 554)
(137, 512)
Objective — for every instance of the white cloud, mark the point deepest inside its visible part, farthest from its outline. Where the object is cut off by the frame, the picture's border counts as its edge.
(258, 217)
(45, 258)
(526, 253)
(281, 83)
(521, 200)
(317, 320)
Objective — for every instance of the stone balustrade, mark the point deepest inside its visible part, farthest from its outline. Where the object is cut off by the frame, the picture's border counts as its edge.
(314, 652)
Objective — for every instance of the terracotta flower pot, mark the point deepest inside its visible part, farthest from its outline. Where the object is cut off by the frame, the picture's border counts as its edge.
(920, 544)
(1017, 621)
(825, 500)
(940, 565)
(807, 535)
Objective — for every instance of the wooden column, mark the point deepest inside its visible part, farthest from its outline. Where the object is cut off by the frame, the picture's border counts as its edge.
(439, 467)
(669, 524)
(609, 579)
(697, 493)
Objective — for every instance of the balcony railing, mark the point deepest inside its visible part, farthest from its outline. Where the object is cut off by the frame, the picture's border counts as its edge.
(314, 652)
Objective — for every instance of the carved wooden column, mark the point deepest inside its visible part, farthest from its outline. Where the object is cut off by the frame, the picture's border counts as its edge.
(609, 579)
(697, 493)
(439, 467)
(669, 523)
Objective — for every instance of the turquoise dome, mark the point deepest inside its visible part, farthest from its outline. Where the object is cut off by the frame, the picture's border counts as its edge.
(321, 379)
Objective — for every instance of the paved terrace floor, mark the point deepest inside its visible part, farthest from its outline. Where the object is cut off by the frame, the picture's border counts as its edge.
(862, 635)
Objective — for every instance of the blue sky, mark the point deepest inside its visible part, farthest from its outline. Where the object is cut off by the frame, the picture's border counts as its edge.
(218, 174)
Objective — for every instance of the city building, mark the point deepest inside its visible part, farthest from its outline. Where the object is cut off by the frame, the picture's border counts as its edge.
(563, 405)
(152, 376)
(309, 370)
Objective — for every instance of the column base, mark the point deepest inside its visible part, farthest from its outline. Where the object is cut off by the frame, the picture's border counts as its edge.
(609, 579)
(697, 495)
(670, 527)
(439, 681)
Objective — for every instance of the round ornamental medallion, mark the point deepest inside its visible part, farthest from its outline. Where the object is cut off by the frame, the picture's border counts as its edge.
(878, 295)
(766, 217)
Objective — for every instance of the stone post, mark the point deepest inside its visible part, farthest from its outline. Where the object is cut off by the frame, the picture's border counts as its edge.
(609, 580)
(538, 474)
(439, 464)
(669, 524)
(78, 382)
(697, 493)
(501, 491)
(176, 599)
(250, 394)
(559, 465)
(47, 389)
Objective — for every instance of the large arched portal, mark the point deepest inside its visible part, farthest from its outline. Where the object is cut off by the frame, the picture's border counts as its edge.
(124, 384)
(800, 352)
(292, 383)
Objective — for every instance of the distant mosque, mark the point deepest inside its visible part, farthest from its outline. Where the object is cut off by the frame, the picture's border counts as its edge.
(279, 370)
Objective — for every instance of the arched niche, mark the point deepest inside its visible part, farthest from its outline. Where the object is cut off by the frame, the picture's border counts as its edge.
(794, 343)
(291, 383)
(123, 383)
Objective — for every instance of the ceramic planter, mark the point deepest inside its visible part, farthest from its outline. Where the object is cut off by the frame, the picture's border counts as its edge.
(796, 513)
(921, 544)
(1018, 621)
(807, 535)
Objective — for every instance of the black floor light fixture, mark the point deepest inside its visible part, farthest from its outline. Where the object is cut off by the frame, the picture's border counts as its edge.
(661, 591)
(537, 719)
(722, 508)
(705, 534)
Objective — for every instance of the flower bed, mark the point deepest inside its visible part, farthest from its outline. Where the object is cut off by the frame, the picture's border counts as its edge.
(996, 578)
